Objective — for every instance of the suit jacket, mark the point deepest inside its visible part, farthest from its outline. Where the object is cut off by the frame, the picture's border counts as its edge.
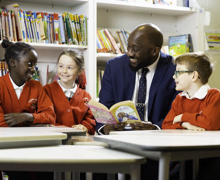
(119, 81)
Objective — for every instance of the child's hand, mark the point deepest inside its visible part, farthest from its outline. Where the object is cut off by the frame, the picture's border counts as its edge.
(177, 118)
(81, 127)
(16, 118)
(189, 126)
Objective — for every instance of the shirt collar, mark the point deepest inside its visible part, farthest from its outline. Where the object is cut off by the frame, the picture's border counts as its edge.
(152, 67)
(15, 85)
(73, 90)
(200, 94)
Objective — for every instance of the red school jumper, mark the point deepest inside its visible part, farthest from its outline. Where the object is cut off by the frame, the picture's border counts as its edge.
(32, 100)
(204, 113)
(71, 112)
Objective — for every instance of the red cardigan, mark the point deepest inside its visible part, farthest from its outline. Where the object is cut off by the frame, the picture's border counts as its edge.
(71, 112)
(33, 100)
(204, 113)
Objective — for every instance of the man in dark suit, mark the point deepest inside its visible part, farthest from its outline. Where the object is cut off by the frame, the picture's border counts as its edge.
(120, 80)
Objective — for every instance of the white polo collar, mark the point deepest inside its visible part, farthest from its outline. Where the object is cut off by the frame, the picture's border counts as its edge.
(200, 94)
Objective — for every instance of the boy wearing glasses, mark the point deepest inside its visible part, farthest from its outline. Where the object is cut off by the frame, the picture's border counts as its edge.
(197, 107)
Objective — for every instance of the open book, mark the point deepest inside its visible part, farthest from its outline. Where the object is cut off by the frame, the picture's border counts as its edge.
(124, 112)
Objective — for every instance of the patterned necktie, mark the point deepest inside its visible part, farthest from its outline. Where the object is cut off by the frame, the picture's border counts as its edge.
(142, 94)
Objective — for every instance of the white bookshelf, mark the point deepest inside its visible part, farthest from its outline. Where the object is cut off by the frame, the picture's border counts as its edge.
(172, 20)
(48, 53)
(112, 15)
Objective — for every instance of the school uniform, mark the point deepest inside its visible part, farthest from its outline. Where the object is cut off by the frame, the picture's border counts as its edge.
(71, 111)
(200, 110)
(31, 99)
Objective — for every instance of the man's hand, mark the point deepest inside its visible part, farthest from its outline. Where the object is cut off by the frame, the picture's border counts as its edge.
(16, 118)
(113, 127)
(189, 126)
(143, 126)
(177, 118)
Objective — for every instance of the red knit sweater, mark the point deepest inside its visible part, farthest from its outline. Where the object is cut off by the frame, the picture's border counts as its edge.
(33, 100)
(71, 112)
(204, 113)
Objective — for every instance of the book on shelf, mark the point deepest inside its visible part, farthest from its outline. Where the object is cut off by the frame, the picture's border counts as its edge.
(122, 38)
(3, 68)
(105, 42)
(122, 112)
(166, 2)
(112, 41)
(15, 9)
(213, 39)
(180, 44)
(42, 27)
(99, 77)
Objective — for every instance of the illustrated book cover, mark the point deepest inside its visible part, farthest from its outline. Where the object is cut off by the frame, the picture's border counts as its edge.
(124, 112)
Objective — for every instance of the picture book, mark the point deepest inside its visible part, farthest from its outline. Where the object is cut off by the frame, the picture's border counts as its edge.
(122, 112)
(180, 44)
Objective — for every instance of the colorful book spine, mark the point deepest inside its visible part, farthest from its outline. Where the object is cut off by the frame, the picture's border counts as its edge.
(15, 8)
(68, 28)
(78, 31)
(1, 73)
(26, 27)
(65, 28)
(14, 25)
(124, 36)
(82, 21)
(6, 24)
(29, 21)
(120, 42)
(73, 27)
(21, 17)
(62, 34)
(41, 27)
(56, 27)
(45, 21)
(112, 40)
(105, 49)
(34, 25)
(10, 26)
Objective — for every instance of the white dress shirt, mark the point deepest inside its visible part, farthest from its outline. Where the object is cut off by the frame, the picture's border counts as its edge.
(150, 76)
(68, 92)
(18, 89)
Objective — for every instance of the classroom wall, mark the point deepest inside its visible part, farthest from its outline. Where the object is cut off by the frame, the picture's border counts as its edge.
(213, 7)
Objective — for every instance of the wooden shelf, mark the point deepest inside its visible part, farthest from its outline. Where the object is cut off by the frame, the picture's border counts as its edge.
(144, 8)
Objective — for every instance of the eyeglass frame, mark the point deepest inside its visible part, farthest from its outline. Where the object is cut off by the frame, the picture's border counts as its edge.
(177, 73)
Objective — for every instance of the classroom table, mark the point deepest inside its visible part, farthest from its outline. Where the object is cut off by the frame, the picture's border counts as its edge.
(166, 145)
(11, 137)
(71, 158)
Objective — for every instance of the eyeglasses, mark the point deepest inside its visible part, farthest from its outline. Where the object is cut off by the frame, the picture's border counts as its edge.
(180, 72)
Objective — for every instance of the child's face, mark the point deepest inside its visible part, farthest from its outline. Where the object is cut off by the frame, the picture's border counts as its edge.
(25, 68)
(67, 69)
(182, 78)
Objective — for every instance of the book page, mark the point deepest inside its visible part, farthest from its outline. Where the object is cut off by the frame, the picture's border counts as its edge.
(101, 112)
(125, 112)
(101, 115)
(97, 104)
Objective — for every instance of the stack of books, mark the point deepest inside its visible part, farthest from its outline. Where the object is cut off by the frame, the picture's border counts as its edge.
(42, 27)
(107, 44)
